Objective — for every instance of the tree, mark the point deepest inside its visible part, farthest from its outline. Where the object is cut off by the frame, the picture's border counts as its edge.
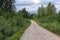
(50, 8)
(7, 5)
(58, 16)
(24, 13)
(20, 12)
(1, 3)
(53, 8)
(41, 11)
(38, 12)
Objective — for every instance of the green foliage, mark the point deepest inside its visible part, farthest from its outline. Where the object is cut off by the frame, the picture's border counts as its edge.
(1, 12)
(17, 35)
(58, 16)
(48, 18)
(12, 25)
(4, 27)
(52, 26)
(25, 14)
(50, 8)
(41, 11)
(1, 36)
(8, 32)
(50, 22)
(7, 5)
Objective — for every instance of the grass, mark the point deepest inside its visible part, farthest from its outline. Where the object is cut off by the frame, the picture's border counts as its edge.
(18, 35)
(51, 26)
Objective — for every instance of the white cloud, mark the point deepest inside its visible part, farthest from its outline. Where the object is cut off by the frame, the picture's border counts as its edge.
(58, 2)
(36, 1)
(35, 6)
(28, 8)
(57, 7)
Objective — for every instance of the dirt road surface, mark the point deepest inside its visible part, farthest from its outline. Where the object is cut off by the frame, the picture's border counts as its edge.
(36, 32)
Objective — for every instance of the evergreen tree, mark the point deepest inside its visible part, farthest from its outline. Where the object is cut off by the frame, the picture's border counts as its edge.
(41, 11)
(24, 12)
(50, 8)
(8, 5)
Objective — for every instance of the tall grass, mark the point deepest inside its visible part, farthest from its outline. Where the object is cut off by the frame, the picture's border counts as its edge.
(51, 23)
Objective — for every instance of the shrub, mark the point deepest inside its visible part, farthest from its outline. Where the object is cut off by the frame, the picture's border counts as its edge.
(1, 36)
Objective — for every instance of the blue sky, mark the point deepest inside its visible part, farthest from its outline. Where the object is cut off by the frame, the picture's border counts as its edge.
(32, 5)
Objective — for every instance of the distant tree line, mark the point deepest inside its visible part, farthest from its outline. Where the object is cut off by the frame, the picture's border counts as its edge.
(49, 18)
(42, 11)
(49, 12)
(50, 9)
(25, 13)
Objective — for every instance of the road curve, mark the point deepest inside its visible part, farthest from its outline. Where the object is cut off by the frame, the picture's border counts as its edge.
(35, 32)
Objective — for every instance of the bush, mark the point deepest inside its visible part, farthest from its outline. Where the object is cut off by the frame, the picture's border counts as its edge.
(8, 32)
(49, 18)
(51, 23)
(21, 30)
(1, 36)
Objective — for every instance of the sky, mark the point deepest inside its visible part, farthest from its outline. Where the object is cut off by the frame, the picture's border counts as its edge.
(32, 5)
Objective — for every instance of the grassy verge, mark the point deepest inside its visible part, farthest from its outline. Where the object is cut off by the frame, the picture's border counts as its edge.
(17, 35)
(51, 26)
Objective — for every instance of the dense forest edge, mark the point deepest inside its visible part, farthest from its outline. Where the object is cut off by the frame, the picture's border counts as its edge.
(48, 18)
(13, 24)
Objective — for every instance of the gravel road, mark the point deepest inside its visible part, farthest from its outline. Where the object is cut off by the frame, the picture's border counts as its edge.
(36, 32)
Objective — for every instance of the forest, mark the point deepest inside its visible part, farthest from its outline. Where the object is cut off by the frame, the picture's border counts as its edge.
(49, 18)
(13, 23)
